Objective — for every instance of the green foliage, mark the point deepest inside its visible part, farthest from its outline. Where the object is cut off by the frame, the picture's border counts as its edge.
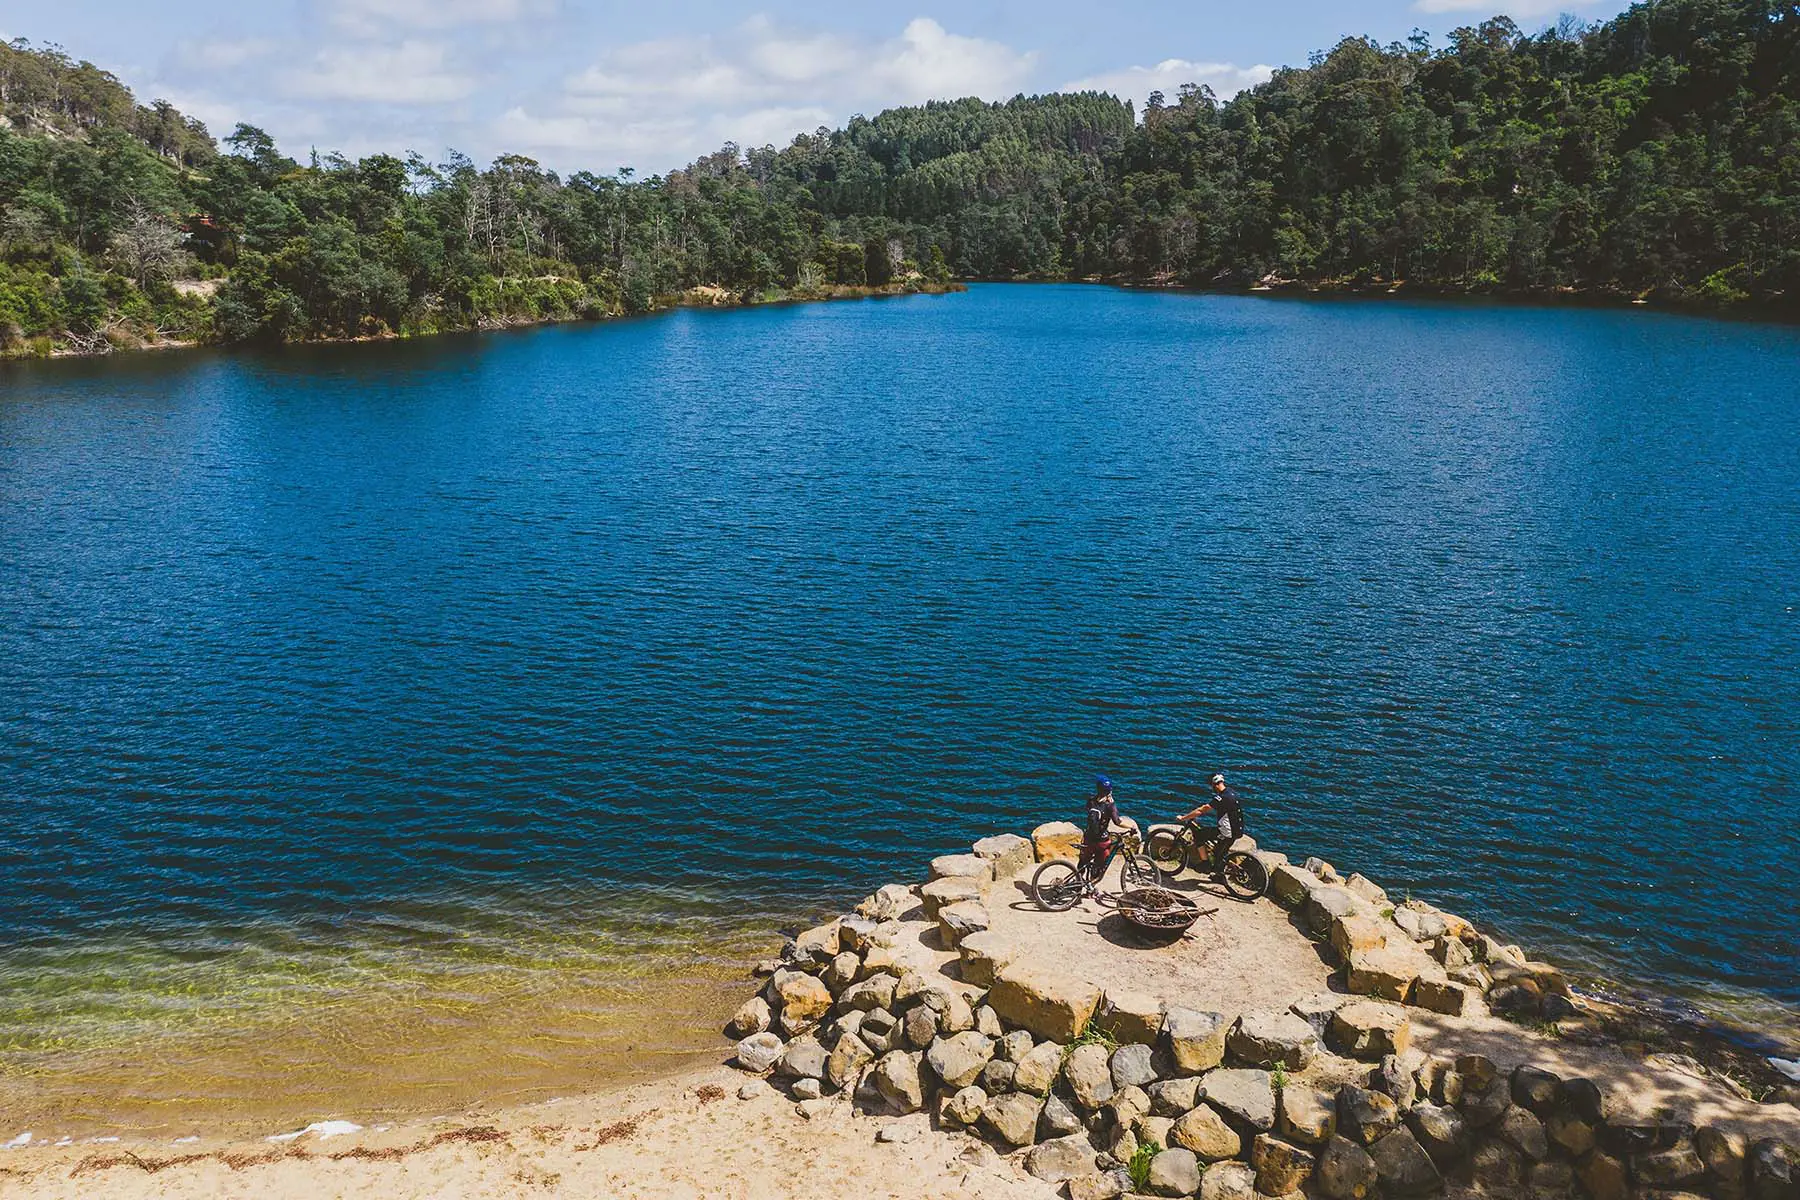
(1656, 155)
(1139, 1166)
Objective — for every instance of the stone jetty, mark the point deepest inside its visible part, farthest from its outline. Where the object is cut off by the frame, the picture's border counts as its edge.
(1326, 1041)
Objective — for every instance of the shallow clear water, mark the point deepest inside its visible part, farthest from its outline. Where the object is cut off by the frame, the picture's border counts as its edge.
(356, 672)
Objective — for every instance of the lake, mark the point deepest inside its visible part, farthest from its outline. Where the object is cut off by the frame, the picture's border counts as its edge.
(417, 721)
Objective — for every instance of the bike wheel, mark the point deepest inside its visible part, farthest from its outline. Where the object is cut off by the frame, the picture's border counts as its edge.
(1167, 849)
(1139, 871)
(1245, 877)
(1056, 886)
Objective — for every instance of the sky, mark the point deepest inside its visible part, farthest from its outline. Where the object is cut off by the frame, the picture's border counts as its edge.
(601, 84)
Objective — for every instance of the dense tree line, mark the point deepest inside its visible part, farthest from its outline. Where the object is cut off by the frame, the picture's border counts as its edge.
(1657, 154)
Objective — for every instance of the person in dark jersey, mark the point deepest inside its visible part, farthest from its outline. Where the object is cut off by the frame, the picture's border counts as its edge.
(1103, 820)
(1230, 811)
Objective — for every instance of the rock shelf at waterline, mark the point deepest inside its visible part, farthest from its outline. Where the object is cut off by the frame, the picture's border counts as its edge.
(1325, 1041)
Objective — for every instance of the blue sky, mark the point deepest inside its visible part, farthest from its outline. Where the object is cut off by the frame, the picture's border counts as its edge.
(601, 84)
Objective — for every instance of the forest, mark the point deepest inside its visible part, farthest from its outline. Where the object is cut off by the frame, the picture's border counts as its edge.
(1655, 156)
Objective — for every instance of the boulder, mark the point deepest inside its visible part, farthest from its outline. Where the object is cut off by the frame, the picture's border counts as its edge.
(1403, 1166)
(1229, 1181)
(1281, 1167)
(1724, 1151)
(1154, 1131)
(1008, 854)
(821, 943)
(900, 1078)
(1603, 1177)
(997, 1077)
(984, 955)
(1131, 1066)
(841, 972)
(752, 1016)
(1365, 887)
(804, 1058)
(877, 991)
(1013, 1046)
(1436, 994)
(1291, 885)
(962, 866)
(1326, 904)
(1100, 1185)
(1355, 931)
(1421, 925)
(1247, 1098)
(1195, 1039)
(1678, 1166)
(1383, 972)
(887, 904)
(1569, 1133)
(1056, 839)
(1584, 1098)
(813, 1107)
(1485, 1106)
(1440, 1132)
(1365, 1116)
(759, 1051)
(1771, 1171)
(1089, 1075)
(1127, 1105)
(1037, 1070)
(1174, 1172)
(1395, 1076)
(1497, 1168)
(954, 1011)
(1058, 1117)
(806, 1088)
(1523, 1132)
(1305, 1115)
(846, 1061)
(1370, 1030)
(959, 920)
(856, 933)
(1172, 1097)
(1344, 1171)
(1130, 1016)
(1203, 1131)
(1316, 1010)
(1273, 1040)
(1053, 1007)
(804, 1000)
(952, 890)
(958, 1060)
(880, 960)
(988, 1022)
(1012, 1118)
(963, 1107)
(1451, 953)
(1553, 1180)
(919, 1027)
(1060, 1159)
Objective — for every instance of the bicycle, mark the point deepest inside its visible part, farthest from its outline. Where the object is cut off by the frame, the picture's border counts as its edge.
(1059, 884)
(1172, 847)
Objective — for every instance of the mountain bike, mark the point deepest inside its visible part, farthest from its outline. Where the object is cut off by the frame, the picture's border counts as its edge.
(1060, 884)
(1172, 847)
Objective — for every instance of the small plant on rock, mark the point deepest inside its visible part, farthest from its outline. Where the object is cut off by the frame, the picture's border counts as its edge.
(1278, 1078)
(1139, 1167)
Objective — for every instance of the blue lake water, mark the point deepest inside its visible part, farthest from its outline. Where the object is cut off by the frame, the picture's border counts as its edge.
(512, 656)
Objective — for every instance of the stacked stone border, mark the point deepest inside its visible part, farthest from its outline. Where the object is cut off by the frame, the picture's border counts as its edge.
(1099, 1080)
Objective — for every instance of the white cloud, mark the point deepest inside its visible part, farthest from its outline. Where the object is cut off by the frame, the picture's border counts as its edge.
(1136, 83)
(223, 54)
(661, 103)
(370, 17)
(412, 72)
(1512, 8)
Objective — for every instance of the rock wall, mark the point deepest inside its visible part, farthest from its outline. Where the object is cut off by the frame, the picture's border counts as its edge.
(1114, 1091)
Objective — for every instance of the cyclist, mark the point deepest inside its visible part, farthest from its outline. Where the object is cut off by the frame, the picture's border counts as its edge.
(1103, 820)
(1230, 811)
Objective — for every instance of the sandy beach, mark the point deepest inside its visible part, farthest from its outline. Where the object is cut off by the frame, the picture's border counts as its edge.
(717, 1131)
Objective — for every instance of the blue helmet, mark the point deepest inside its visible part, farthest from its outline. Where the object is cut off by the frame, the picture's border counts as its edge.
(1102, 785)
